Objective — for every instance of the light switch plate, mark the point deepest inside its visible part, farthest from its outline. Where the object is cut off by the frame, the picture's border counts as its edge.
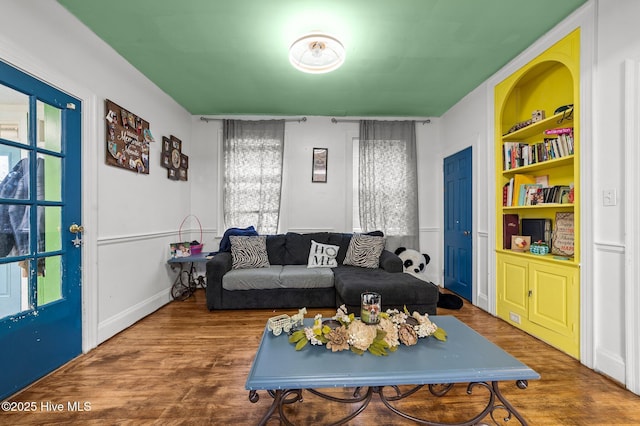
(609, 197)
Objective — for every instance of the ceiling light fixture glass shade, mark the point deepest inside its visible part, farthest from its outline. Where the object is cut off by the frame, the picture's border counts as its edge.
(316, 53)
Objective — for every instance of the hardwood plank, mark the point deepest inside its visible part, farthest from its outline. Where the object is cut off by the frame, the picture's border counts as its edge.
(186, 365)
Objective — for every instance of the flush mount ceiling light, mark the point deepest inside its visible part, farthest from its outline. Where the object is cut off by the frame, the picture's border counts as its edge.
(316, 53)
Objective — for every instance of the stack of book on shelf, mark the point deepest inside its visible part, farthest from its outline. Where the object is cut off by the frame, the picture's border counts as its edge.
(529, 190)
(559, 144)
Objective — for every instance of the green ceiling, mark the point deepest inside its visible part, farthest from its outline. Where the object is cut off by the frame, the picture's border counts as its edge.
(404, 57)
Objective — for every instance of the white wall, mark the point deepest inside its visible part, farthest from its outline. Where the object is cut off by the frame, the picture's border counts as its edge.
(618, 40)
(129, 218)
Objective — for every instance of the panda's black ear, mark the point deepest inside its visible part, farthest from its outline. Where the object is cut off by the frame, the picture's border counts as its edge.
(426, 258)
(400, 250)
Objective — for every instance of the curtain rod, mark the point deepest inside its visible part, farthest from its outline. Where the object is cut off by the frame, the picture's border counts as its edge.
(347, 120)
(286, 120)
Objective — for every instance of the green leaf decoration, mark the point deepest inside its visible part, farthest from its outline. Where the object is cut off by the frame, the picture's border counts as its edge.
(440, 334)
(406, 311)
(326, 329)
(356, 350)
(301, 344)
(296, 336)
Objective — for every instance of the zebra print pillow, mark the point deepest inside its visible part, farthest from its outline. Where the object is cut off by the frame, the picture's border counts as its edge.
(249, 252)
(364, 251)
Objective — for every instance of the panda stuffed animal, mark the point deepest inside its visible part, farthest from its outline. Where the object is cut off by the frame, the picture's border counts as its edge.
(413, 262)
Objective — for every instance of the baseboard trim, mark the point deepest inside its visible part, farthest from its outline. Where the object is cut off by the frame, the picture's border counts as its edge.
(610, 364)
(125, 319)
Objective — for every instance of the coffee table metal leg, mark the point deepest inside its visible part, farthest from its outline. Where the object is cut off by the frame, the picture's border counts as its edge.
(496, 402)
(280, 398)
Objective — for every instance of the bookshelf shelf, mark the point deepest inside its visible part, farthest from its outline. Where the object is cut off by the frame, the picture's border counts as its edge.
(554, 206)
(551, 258)
(540, 293)
(536, 129)
(543, 165)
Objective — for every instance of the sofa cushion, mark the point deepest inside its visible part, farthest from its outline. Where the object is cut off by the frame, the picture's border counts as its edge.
(277, 276)
(276, 248)
(298, 245)
(252, 278)
(396, 289)
(364, 251)
(249, 252)
(299, 276)
(322, 255)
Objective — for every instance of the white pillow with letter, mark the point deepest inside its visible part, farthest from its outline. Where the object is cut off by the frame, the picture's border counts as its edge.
(322, 255)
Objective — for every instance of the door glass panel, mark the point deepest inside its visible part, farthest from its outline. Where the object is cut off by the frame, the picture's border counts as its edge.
(49, 127)
(14, 115)
(14, 230)
(14, 184)
(50, 171)
(49, 280)
(50, 235)
(14, 293)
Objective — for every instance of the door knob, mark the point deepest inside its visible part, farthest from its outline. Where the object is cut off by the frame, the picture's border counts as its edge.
(467, 232)
(75, 228)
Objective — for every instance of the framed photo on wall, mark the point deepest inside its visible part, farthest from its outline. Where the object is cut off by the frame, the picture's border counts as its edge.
(319, 166)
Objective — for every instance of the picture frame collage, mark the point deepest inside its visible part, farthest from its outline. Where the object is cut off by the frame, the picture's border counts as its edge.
(172, 158)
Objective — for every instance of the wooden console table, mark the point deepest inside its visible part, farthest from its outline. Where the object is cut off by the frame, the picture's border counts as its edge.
(466, 357)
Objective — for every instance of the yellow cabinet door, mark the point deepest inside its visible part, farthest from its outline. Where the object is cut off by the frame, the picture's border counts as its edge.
(513, 288)
(554, 297)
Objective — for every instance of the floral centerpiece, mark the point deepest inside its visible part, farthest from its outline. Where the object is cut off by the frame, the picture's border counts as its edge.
(346, 332)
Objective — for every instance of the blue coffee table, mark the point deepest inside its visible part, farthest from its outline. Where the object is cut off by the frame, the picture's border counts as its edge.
(466, 357)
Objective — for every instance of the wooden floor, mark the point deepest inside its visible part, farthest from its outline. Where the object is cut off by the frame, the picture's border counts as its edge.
(186, 365)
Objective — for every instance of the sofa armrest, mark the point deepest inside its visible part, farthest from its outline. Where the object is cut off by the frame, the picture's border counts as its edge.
(219, 265)
(390, 262)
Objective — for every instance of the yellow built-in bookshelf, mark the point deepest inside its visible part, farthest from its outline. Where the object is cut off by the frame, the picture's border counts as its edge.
(541, 293)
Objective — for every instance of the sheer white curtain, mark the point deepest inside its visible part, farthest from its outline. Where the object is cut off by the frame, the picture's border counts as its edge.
(253, 153)
(388, 183)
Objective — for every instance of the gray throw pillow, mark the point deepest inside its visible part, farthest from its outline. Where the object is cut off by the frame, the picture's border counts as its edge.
(249, 252)
(364, 251)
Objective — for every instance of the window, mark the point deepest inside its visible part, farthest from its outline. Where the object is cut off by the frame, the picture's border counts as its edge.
(386, 178)
(252, 158)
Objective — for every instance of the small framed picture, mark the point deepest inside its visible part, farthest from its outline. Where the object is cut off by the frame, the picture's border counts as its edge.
(166, 144)
(520, 243)
(166, 159)
(172, 174)
(319, 165)
(182, 174)
(184, 161)
(176, 143)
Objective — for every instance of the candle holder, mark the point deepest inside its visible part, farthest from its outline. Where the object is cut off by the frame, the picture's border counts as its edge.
(370, 307)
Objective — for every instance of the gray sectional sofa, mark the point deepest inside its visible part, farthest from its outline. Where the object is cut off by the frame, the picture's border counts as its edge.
(288, 283)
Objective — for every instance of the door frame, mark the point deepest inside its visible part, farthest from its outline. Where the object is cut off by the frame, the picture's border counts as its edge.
(16, 57)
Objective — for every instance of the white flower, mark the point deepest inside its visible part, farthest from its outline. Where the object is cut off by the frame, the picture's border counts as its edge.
(425, 327)
(309, 334)
(342, 315)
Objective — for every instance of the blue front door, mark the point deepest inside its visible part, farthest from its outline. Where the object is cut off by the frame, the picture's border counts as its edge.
(458, 249)
(40, 185)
